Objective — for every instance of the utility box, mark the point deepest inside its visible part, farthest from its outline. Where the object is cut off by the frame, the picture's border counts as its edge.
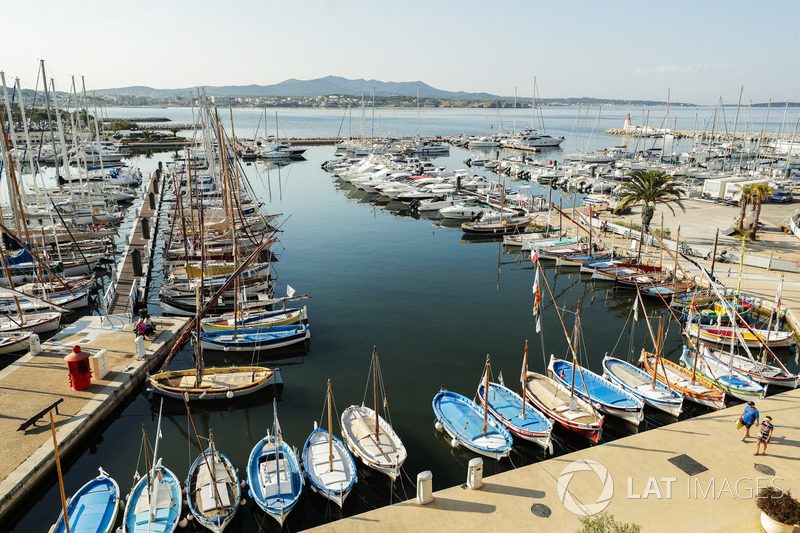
(35, 344)
(141, 351)
(99, 364)
(475, 473)
(425, 487)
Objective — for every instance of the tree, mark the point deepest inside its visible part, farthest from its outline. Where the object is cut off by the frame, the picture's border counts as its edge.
(744, 200)
(758, 193)
(650, 187)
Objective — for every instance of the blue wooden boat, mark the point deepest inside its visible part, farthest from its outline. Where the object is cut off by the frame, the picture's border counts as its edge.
(606, 396)
(329, 467)
(93, 508)
(155, 502)
(274, 474)
(727, 378)
(250, 339)
(505, 405)
(641, 384)
(715, 313)
(464, 421)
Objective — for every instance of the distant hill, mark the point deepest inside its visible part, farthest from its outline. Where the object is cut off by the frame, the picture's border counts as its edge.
(309, 88)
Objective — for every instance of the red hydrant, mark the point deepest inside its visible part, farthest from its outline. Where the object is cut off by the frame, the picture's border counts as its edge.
(80, 376)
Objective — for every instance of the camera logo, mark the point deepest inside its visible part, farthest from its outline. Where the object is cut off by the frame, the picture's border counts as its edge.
(569, 501)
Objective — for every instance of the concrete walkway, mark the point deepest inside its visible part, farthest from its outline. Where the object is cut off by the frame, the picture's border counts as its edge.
(32, 383)
(648, 489)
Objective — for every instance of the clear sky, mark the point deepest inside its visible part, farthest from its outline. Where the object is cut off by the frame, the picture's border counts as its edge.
(699, 51)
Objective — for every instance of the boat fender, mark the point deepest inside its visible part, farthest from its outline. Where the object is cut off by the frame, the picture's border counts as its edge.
(454, 443)
(229, 394)
(183, 522)
(94, 228)
(438, 426)
(242, 501)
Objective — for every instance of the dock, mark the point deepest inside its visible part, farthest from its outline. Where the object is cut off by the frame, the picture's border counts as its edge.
(34, 382)
(691, 475)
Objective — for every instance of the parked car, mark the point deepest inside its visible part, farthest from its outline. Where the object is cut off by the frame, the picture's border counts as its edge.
(781, 196)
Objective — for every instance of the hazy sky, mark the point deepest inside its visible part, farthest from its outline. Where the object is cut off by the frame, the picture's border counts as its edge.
(699, 51)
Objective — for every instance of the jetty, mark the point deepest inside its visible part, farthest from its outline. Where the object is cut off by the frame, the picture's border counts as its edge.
(691, 475)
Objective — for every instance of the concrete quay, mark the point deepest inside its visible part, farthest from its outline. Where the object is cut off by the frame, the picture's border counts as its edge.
(709, 485)
(35, 381)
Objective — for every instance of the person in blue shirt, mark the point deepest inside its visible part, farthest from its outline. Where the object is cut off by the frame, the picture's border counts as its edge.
(749, 417)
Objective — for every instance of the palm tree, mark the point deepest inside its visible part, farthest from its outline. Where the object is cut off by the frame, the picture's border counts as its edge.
(744, 200)
(758, 193)
(650, 187)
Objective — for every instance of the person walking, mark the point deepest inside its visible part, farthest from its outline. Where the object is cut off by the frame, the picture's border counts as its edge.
(749, 417)
(764, 435)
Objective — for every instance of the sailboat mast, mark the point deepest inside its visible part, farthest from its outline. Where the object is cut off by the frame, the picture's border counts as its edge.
(524, 376)
(330, 430)
(375, 388)
(60, 475)
(486, 395)
(658, 348)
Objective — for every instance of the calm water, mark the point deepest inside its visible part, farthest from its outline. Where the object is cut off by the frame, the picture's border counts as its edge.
(434, 305)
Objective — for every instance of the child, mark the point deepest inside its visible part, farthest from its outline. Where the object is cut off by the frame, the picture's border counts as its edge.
(764, 434)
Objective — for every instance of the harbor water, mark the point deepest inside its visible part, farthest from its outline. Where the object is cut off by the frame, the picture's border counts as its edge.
(433, 302)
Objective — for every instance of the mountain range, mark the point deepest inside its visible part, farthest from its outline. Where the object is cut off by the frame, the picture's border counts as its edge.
(309, 88)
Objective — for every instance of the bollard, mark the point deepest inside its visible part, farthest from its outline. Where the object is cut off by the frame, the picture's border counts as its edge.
(141, 352)
(146, 228)
(425, 487)
(160, 167)
(151, 198)
(35, 344)
(155, 183)
(136, 258)
(475, 473)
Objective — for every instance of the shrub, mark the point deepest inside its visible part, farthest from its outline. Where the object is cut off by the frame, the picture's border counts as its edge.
(779, 505)
(605, 523)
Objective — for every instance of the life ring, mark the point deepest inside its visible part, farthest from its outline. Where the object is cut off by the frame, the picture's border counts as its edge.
(95, 210)
(94, 228)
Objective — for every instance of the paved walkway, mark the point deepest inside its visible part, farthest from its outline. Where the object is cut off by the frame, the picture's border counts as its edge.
(648, 489)
(33, 382)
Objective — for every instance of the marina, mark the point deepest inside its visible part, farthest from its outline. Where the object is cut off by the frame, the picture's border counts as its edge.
(435, 300)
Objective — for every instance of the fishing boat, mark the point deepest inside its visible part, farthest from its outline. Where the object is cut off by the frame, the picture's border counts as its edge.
(568, 410)
(251, 339)
(253, 319)
(751, 336)
(370, 436)
(31, 322)
(642, 385)
(329, 467)
(274, 473)
(94, 507)
(213, 383)
(733, 382)
(212, 488)
(607, 396)
(715, 313)
(589, 267)
(503, 226)
(522, 420)
(760, 371)
(155, 502)
(14, 342)
(469, 425)
(692, 385)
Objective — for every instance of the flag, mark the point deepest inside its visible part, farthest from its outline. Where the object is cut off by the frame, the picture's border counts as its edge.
(534, 256)
(537, 300)
(500, 379)
(778, 295)
(636, 310)
(289, 291)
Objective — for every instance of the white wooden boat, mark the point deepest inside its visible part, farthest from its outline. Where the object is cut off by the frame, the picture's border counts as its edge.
(216, 383)
(369, 436)
(642, 385)
(212, 489)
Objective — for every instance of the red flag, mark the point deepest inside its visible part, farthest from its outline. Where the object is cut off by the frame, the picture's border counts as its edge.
(534, 255)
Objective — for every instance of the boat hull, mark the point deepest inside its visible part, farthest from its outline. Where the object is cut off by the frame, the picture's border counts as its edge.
(456, 414)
